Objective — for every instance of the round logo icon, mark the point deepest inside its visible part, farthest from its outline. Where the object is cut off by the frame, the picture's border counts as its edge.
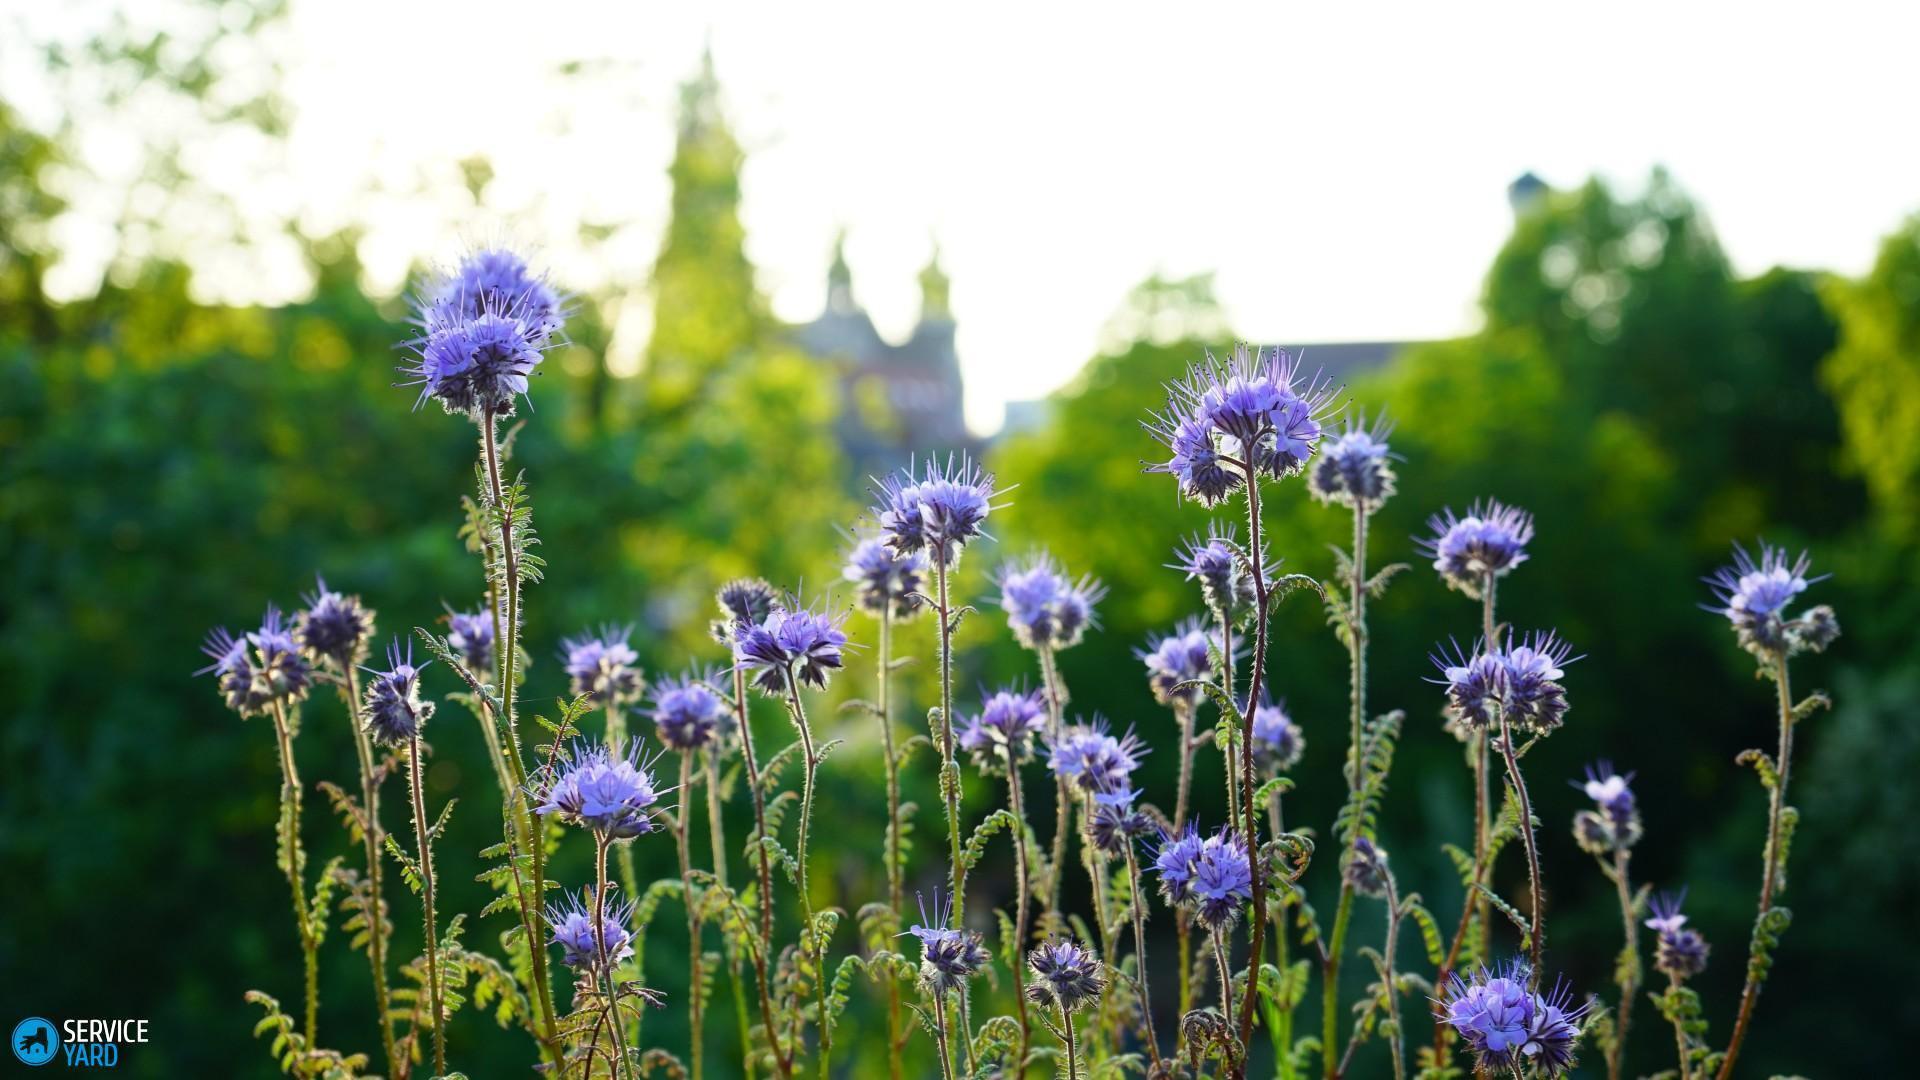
(35, 1040)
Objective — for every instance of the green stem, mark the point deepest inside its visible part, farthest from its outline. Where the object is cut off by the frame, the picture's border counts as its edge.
(812, 763)
(949, 770)
(896, 890)
(716, 827)
(1357, 708)
(424, 843)
(1630, 980)
(1393, 994)
(940, 1035)
(376, 918)
(1474, 902)
(1263, 599)
(1680, 1042)
(1182, 919)
(1537, 918)
(1283, 1033)
(295, 864)
(1062, 798)
(694, 1003)
(782, 1056)
(1073, 1056)
(1021, 904)
(601, 885)
(1139, 910)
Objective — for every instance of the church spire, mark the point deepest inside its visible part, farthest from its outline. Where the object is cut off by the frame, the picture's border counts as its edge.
(934, 289)
(840, 276)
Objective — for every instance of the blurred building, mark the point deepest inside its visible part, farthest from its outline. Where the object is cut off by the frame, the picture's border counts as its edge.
(897, 400)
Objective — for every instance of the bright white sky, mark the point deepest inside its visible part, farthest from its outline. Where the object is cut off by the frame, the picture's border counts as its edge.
(1342, 166)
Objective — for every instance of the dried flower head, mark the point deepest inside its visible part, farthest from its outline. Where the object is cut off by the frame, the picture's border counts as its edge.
(583, 944)
(688, 715)
(884, 580)
(1507, 1026)
(471, 635)
(1614, 823)
(1355, 469)
(1091, 759)
(1213, 560)
(1045, 609)
(602, 790)
(742, 602)
(1177, 660)
(393, 707)
(334, 628)
(1681, 951)
(1277, 740)
(1066, 973)
(948, 956)
(1754, 595)
(1004, 728)
(601, 667)
(1366, 868)
(1248, 416)
(791, 645)
(1489, 542)
(938, 513)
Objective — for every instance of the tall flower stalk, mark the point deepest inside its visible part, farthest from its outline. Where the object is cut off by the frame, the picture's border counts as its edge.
(688, 717)
(1608, 833)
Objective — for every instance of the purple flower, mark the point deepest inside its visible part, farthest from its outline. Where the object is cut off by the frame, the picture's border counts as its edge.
(477, 365)
(948, 956)
(232, 670)
(581, 946)
(1680, 951)
(1356, 469)
(742, 602)
(496, 279)
(1004, 728)
(1175, 861)
(600, 667)
(791, 645)
(1222, 880)
(1225, 582)
(471, 635)
(597, 788)
(1614, 823)
(1276, 738)
(1066, 973)
(1116, 820)
(333, 628)
(1754, 596)
(1505, 1024)
(1248, 416)
(1520, 681)
(1181, 657)
(261, 670)
(1490, 541)
(394, 710)
(1090, 758)
(884, 580)
(688, 715)
(1046, 610)
(1366, 868)
(939, 513)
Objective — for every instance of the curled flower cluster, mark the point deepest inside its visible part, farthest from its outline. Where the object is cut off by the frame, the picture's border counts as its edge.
(1250, 416)
(597, 788)
(334, 628)
(742, 602)
(582, 944)
(1116, 820)
(1506, 1025)
(601, 667)
(688, 715)
(1004, 728)
(1366, 868)
(1355, 469)
(1681, 951)
(394, 710)
(1066, 973)
(1091, 759)
(1044, 609)
(1213, 876)
(1520, 681)
(1177, 661)
(948, 956)
(1614, 823)
(1754, 594)
(1277, 740)
(790, 645)
(1213, 560)
(471, 635)
(263, 669)
(1487, 543)
(484, 329)
(939, 513)
(884, 579)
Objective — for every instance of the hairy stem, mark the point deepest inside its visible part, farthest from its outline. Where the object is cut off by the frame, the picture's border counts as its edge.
(896, 891)
(1283, 1032)
(949, 770)
(1073, 1055)
(1630, 981)
(1182, 918)
(1357, 708)
(295, 863)
(1474, 903)
(694, 957)
(716, 826)
(1096, 864)
(1062, 799)
(1139, 909)
(1536, 918)
(940, 1034)
(376, 917)
(1021, 904)
(782, 1056)
(1394, 1038)
(618, 1026)
(424, 843)
(1263, 598)
(808, 775)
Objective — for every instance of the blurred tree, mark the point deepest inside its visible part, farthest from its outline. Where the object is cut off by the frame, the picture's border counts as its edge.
(1875, 375)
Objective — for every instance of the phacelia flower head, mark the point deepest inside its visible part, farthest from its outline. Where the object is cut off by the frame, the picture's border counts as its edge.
(1754, 595)
(883, 579)
(232, 670)
(1277, 740)
(471, 635)
(497, 278)
(1505, 1024)
(1212, 876)
(585, 946)
(258, 671)
(600, 667)
(1226, 583)
(1116, 820)
(1066, 973)
(1680, 951)
(1045, 609)
(742, 602)
(1520, 681)
(1004, 728)
(394, 710)
(948, 956)
(1614, 822)
(1091, 759)
(1250, 415)
(1489, 542)
(791, 645)
(476, 365)
(333, 628)
(1355, 469)
(599, 789)
(1179, 658)
(688, 715)
(1366, 868)
(938, 513)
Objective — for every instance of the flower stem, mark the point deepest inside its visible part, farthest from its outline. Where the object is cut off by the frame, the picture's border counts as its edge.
(1139, 909)
(1062, 799)
(1357, 708)
(782, 1057)
(424, 842)
(1283, 1031)
(601, 885)
(812, 767)
(1769, 877)
(716, 826)
(1630, 980)
(1226, 974)
(694, 957)
(949, 770)
(1394, 1038)
(1021, 904)
(896, 891)
(376, 916)
(1263, 599)
(1073, 1056)
(294, 866)
(1096, 863)
(1537, 917)
(1182, 919)
(1474, 902)
(940, 1034)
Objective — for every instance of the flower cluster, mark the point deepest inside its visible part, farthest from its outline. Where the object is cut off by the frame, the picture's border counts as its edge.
(263, 669)
(1614, 823)
(1277, 740)
(1116, 820)
(1680, 952)
(1754, 594)
(939, 513)
(597, 788)
(1520, 681)
(1213, 560)
(1046, 610)
(790, 645)
(1066, 973)
(948, 956)
(742, 602)
(1487, 543)
(334, 628)
(1179, 660)
(485, 327)
(1506, 1025)
(471, 635)
(1212, 876)
(1004, 728)
(884, 579)
(1355, 469)
(1248, 417)
(583, 945)
(1091, 759)
(1366, 868)
(601, 667)
(394, 710)
(688, 715)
